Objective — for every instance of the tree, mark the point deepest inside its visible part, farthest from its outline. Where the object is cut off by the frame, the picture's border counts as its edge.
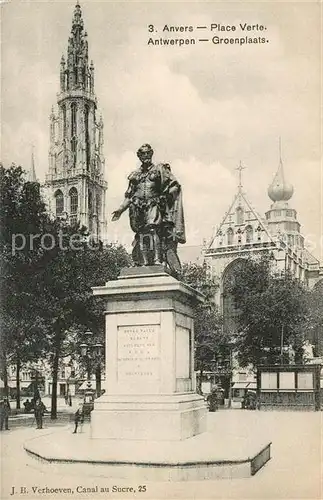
(271, 310)
(211, 342)
(48, 268)
(22, 213)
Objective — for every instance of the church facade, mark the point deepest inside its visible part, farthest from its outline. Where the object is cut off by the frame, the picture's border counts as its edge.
(75, 188)
(243, 233)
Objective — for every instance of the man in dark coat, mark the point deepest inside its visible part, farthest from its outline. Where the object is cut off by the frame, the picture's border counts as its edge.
(28, 405)
(78, 419)
(39, 410)
(4, 413)
(212, 400)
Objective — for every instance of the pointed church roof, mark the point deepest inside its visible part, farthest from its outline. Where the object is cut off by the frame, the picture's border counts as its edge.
(241, 201)
(280, 189)
(32, 172)
(75, 69)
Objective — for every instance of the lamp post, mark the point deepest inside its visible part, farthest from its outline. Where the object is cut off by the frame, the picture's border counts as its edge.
(91, 353)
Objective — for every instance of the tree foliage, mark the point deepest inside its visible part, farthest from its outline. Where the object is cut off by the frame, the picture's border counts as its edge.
(271, 310)
(47, 277)
(210, 341)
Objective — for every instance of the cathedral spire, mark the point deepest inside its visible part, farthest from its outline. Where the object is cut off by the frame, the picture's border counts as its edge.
(75, 72)
(77, 18)
(32, 173)
(75, 184)
(280, 189)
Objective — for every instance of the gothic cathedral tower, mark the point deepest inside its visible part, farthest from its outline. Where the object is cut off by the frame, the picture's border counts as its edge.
(75, 187)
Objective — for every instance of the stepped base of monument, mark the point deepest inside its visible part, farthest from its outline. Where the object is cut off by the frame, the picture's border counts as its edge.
(144, 417)
(208, 456)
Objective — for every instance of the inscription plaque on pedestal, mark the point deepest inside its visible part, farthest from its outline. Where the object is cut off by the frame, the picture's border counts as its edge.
(138, 353)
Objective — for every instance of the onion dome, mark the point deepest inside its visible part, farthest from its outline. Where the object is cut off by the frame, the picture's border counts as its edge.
(280, 189)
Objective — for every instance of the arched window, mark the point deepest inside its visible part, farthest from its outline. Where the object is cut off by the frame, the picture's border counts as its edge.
(73, 119)
(239, 212)
(73, 132)
(64, 119)
(90, 210)
(87, 135)
(90, 201)
(59, 200)
(230, 236)
(73, 200)
(249, 234)
(98, 205)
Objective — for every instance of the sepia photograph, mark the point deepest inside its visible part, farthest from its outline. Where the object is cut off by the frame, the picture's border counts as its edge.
(161, 250)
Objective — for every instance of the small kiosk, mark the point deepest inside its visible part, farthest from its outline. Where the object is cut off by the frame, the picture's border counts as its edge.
(294, 387)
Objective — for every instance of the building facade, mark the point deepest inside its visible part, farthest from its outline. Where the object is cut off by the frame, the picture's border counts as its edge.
(243, 233)
(75, 188)
(37, 378)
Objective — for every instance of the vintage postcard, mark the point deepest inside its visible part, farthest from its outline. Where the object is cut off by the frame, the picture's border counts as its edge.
(161, 250)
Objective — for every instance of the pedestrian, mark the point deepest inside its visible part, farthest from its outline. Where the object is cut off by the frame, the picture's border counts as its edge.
(212, 400)
(78, 418)
(66, 399)
(70, 400)
(28, 406)
(252, 401)
(4, 413)
(39, 411)
(247, 401)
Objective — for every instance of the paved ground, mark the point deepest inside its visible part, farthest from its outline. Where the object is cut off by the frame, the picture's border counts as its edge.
(295, 471)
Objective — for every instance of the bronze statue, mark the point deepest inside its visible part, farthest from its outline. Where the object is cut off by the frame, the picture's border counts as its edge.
(154, 199)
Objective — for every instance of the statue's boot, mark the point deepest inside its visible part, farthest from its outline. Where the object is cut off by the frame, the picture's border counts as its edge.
(157, 249)
(143, 250)
(145, 257)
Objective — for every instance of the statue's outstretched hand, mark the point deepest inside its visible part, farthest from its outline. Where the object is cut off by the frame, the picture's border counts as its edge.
(116, 215)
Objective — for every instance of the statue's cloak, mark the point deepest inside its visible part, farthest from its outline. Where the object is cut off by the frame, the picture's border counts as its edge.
(174, 205)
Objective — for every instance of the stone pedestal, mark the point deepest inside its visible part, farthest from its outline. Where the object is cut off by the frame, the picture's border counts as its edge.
(150, 392)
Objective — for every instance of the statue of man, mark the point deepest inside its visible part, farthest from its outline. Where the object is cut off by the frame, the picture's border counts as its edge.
(154, 200)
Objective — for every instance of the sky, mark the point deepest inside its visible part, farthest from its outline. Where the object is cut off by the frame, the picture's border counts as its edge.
(203, 107)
